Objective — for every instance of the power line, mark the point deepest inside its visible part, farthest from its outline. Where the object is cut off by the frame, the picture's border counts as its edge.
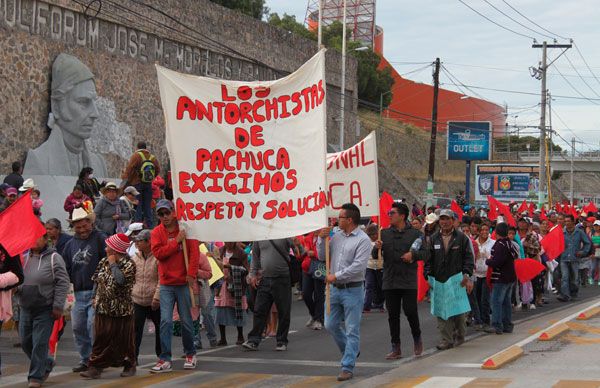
(492, 21)
(575, 89)
(532, 22)
(584, 61)
(584, 81)
(516, 21)
(529, 93)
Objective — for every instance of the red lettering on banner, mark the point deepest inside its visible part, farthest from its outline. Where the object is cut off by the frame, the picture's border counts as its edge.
(256, 135)
(254, 209)
(244, 93)
(284, 112)
(184, 104)
(355, 193)
(245, 112)
(331, 187)
(184, 186)
(362, 157)
(262, 91)
(241, 137)
(225, 95)
(291, 176)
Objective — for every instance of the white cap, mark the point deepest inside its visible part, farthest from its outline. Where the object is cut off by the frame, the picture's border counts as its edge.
(597, 222)
(134, 227)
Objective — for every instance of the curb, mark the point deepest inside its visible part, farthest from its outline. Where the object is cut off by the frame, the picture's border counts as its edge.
(553, 332)
(498, 360)
(589, 313)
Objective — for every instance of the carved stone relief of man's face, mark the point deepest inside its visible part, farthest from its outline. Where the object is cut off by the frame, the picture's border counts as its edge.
(77, 112)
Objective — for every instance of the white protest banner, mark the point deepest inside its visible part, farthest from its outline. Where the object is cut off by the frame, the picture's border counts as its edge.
(352, 177)
(247, 158)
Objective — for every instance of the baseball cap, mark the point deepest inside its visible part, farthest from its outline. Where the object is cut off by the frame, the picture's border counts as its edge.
(597, 222)
(134, 227)
(446, 213)
(144, 235)
(11, 191)
(131, 190)
(591, 219)
(164, 204)
(4, 186)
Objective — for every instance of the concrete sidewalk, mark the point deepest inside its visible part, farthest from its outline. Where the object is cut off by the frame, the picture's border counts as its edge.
(568, 360)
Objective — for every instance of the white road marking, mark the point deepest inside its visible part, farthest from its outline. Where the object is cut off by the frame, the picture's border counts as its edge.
(445, 382)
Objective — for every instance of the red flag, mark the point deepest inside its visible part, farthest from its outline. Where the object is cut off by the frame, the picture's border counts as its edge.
(456, 209)
(558, 207)
(543, 215)
(505, 211)
(385, 204)
(554, 242)
(523, 207)
(566, 209)
(422, 283)
(492, 214)
(531, 209)
(527, 269)
(19, 227)
(574, 213)
(591, 207)
(57, 331)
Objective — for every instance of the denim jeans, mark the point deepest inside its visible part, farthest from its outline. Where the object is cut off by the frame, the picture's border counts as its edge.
(374, 296)
(82, 320)
(208, 320)
(501, 306)
(143, 213)
(346, 309)
(313, 293)
(482, 295)
(569, 281)
(35, 327)
(168, 296)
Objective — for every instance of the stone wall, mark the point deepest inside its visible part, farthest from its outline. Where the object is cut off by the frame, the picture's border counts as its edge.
(120, 42)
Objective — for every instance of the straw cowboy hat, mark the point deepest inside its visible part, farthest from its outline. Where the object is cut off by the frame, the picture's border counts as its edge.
(80, 214)
(27, 185)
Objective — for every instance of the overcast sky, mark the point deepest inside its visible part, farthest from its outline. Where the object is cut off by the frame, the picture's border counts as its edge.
(469, 46)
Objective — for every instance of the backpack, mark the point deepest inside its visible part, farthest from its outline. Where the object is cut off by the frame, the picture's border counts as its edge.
(147, 170)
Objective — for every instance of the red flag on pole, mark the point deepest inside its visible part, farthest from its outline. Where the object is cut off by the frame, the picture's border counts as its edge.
(493, 213)
(385, 204)
(574, 213)
(523, 207)
(531, 209)
(19, 227)
(558, 207)
(422, 283)
(554, 242)
(527, 269)
(57, 331)
(505, 211)
(456, 209)
(591, 207)
(543, 215)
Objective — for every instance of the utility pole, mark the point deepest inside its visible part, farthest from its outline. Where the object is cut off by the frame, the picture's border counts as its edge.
(343, 87)
(543, 70)
(434, 113)
(550, 122)
(319, 27)
(572, 162)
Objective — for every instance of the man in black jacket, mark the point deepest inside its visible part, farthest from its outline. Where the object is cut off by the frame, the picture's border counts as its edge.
(450, 252)
(400, 277)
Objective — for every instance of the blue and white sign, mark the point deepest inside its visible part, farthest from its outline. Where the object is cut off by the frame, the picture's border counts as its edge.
(469, 140)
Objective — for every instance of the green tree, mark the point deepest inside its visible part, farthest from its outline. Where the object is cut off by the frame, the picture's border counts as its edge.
(519, 144)
(289, 23)
(254, 8)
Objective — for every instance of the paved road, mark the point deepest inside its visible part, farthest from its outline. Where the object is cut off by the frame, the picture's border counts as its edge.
(312, 357)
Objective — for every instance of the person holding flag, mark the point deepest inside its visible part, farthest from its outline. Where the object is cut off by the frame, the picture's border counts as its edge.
(400, 277)
(176, 279)
(350, 250)
(42, 298)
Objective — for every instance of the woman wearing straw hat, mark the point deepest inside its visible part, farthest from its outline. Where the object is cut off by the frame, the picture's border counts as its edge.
(114, 344)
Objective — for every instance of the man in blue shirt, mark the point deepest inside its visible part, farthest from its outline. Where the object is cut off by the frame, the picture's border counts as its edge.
(350, 249)
(577, 245)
